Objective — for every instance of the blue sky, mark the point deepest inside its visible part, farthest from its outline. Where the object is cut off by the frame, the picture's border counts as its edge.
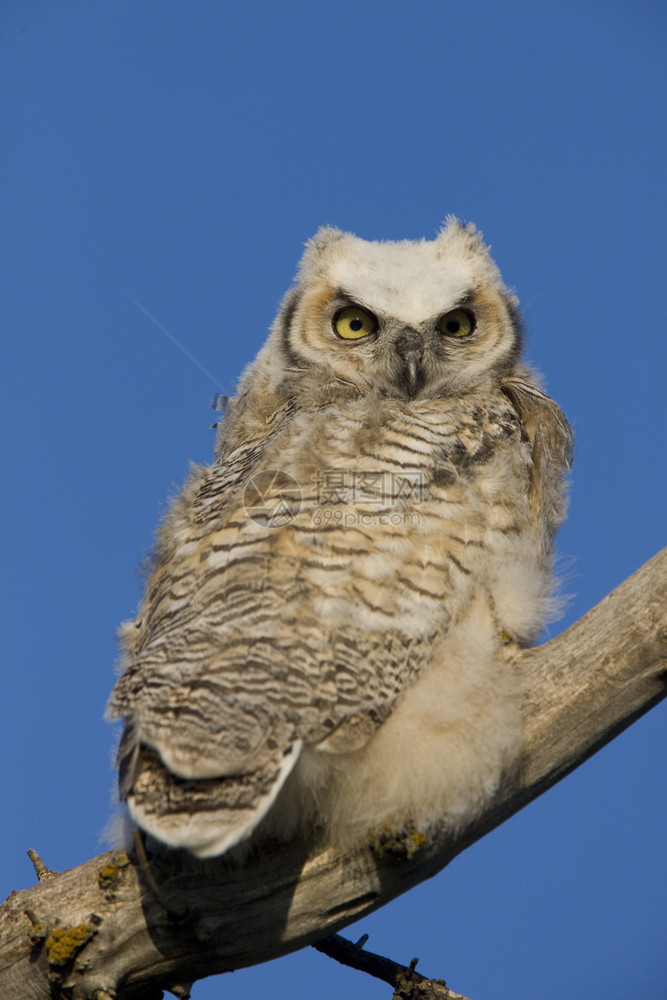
(181, 152)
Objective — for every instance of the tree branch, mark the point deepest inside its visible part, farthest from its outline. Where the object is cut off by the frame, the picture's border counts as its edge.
(99, 932)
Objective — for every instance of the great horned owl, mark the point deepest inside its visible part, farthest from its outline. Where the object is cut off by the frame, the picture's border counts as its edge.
(319, 643)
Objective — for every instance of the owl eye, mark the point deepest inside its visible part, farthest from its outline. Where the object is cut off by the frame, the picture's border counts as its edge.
(457, 323)
(353, 323)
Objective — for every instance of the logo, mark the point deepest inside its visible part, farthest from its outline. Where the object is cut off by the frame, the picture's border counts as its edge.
(272, 498)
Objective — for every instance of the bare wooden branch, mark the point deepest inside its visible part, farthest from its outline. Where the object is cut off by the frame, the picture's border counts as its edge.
(98, 931)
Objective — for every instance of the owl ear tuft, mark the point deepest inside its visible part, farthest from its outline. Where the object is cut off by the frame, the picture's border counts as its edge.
(323, 238)
(465, 240)
(316, 248)
(453, 224)
(464, 235)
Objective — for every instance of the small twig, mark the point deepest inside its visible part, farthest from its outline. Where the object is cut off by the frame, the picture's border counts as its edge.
(397, 976)
(354, 956)
(41, 871)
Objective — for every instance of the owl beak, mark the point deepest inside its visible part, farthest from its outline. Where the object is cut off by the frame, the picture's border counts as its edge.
(410, 349)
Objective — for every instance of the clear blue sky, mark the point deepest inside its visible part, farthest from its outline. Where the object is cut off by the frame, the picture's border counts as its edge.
(181, 151)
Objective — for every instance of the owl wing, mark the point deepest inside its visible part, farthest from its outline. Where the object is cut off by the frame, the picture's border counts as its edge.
(216, 721)
(229, 670)
(552, 444)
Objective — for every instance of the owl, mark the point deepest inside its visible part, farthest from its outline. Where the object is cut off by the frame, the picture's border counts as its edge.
(319, 651)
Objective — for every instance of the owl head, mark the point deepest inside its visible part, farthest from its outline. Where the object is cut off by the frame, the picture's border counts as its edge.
(408, 319)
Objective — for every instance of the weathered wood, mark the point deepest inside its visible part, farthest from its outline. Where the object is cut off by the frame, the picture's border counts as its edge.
(99, 932)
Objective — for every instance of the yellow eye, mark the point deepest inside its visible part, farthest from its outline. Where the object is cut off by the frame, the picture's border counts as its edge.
(457, 323)
(353, 323)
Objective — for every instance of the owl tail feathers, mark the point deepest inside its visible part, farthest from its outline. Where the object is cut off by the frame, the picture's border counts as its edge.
(207, 816)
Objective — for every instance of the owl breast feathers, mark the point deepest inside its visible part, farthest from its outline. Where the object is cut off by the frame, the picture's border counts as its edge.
(319, 646)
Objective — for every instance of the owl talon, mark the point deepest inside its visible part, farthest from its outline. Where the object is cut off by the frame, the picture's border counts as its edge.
(396, 842)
